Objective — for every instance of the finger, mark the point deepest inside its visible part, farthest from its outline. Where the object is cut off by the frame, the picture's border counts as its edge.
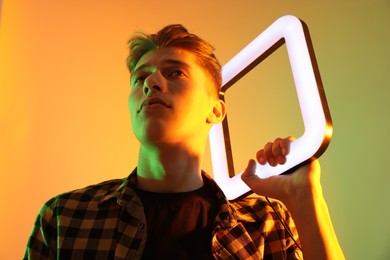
(260, 186)
(285, 145)
(269, 156)
(249, 175)
(277, 151)
(261, 157)
(250, 169)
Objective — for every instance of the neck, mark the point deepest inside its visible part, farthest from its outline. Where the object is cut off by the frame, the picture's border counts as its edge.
(169, 168)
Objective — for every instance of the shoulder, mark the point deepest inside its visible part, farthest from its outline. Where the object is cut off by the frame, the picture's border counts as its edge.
(255, 208)
(269, 223)
(84, 197)
(95, 191)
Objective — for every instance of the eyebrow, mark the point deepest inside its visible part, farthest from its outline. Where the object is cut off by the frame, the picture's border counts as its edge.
(164, 62)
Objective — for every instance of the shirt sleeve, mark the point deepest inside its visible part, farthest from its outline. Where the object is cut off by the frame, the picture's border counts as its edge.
(270, 226)
(293, 251)
(42, 241)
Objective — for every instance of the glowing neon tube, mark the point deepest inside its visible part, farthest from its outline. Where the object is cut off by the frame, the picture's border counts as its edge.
(311, 96)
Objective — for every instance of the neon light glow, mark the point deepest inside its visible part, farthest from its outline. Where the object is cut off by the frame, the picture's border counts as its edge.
(315, 113)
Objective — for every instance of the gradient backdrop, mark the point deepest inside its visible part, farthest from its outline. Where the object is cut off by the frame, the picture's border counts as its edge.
(64, 121)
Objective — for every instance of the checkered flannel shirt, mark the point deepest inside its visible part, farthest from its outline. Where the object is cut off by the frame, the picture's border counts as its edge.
(107, 221)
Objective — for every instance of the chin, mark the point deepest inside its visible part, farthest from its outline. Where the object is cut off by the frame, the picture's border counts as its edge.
(151, 135)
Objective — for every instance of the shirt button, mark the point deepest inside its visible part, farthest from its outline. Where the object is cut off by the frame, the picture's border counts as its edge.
(141, 225)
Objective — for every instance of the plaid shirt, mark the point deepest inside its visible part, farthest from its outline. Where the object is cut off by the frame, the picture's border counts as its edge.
(107, 221)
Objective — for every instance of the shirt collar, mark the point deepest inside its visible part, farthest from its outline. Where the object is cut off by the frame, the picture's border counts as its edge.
(125, 193)
(226, 216)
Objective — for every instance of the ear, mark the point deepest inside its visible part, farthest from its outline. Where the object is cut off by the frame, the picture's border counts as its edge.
(218, 112)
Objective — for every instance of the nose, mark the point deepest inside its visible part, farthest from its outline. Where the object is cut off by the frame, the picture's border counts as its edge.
(155, 82)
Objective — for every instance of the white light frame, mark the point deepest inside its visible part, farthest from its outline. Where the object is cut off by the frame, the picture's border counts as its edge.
(311, 96)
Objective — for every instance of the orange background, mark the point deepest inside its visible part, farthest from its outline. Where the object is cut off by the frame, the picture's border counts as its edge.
(64, 122)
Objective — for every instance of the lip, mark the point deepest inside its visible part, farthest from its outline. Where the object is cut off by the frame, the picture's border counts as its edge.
(153, 102)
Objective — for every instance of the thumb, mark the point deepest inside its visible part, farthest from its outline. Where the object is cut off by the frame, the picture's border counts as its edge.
(249, 174)
(255, 183)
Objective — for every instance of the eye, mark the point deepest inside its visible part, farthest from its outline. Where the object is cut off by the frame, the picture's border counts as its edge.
(139, 80)
(177, 73)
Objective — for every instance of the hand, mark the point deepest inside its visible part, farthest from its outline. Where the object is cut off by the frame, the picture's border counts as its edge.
(288, 187)
(301, 192)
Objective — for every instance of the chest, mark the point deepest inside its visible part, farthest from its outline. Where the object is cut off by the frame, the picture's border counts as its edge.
(179, 226)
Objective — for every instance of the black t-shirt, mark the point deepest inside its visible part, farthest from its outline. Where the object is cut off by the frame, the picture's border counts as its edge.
(179, 224)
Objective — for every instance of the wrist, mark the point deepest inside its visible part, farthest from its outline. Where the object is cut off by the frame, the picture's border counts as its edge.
(311, 216)
(304, 198)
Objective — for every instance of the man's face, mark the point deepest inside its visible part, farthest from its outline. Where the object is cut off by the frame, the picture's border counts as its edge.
(169, 100)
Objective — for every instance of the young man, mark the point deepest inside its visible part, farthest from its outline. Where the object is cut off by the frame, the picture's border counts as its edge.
(168, 208)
